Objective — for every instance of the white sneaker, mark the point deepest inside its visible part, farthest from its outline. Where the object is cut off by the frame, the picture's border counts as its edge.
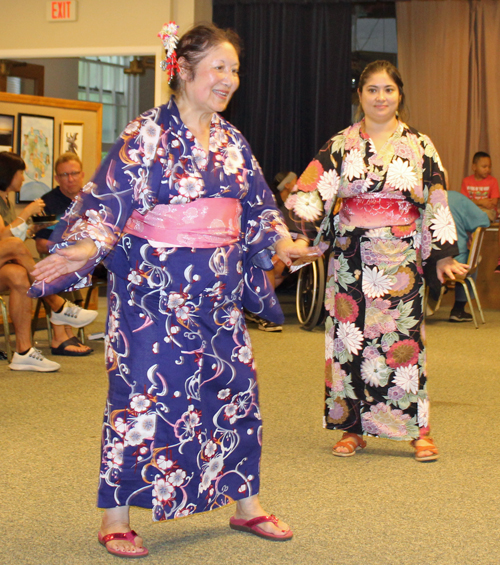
(72, 315)
(33, 361)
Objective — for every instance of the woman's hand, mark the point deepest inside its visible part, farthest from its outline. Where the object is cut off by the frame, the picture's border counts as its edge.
(32, 209)
(287, 250)
(64, 261)
(450, 267)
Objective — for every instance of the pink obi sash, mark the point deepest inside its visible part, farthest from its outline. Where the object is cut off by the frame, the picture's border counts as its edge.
(378, 210)
(205, 223)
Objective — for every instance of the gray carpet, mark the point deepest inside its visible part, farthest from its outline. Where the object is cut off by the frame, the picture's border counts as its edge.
(379, 507)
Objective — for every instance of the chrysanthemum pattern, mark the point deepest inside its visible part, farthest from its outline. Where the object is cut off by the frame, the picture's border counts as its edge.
(375, 356)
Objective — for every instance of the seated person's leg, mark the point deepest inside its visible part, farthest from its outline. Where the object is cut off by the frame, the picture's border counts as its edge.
(12, 249)
(14, 278)
(458, 313)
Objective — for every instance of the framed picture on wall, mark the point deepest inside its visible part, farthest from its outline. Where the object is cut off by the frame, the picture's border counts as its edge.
(6, 132)
(36, 146)
(72, 138)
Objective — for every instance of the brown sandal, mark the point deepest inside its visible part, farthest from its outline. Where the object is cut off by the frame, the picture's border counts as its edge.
(351, 442)
(426, 445)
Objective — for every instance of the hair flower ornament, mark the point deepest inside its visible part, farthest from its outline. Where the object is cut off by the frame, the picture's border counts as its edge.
(168, 36)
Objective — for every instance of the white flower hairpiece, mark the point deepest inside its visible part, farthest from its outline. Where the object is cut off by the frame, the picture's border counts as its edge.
(168, 36)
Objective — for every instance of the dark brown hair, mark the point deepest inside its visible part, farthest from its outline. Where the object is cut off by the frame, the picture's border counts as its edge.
(379, 67)
(10, 163)
(195, 44)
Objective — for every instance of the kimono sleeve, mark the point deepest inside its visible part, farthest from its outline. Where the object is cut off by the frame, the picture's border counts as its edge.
(439, 234)
(262, 226)
(127, 179)
(315, 193)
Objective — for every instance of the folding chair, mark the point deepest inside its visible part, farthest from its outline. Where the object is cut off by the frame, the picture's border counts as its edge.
(473, 263)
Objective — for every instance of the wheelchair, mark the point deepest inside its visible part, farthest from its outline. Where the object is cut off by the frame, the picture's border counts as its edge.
(310, 294)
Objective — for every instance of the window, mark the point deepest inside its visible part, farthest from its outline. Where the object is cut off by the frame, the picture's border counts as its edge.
(101, 79)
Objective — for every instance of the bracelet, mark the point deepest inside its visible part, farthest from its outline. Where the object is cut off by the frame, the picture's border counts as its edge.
(22, 219)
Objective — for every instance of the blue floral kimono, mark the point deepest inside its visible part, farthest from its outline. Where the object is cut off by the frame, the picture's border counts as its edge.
(182, 427)
(375, 353)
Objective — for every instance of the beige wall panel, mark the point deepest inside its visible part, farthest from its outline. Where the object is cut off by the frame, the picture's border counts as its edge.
(100, 24)
(89, 113)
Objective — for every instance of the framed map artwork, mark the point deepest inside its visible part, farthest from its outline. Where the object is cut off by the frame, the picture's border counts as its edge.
(36, 147)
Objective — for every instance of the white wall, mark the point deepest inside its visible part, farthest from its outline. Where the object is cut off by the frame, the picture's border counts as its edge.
(104, 27)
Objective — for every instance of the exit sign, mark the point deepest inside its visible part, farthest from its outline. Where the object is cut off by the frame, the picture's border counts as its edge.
(61, 11)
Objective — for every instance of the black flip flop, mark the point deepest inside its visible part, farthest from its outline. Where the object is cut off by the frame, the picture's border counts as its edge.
(61, 349)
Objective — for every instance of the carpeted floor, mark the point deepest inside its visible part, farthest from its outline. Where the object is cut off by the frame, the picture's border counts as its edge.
(379, 507)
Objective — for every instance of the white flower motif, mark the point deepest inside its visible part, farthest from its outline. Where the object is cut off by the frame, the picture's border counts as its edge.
(308, 206)
(163, 490)
(245, 354)
(117, 453)
(140, 403)
(328, 184)
(210, 448)
(133, 437)
(375, 283)
(234, 317)
(407, 378)
(373, 371)
(233, 160)
(179, 200)
(353, 165)
(230, 410)
(224, 393)
(215, 465)
(200, 157)
(134, 277)
(120, 426)
(146, 425)
(401, 175)
(205, 482)
(443, 226)
(164, 463)
(190, 187)
(423, 412)
(182, 313)
(175, 300)
(132, 127)
(351, 336)
(177, 477)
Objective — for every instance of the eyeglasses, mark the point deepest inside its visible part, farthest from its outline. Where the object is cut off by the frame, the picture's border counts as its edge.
(73, 175)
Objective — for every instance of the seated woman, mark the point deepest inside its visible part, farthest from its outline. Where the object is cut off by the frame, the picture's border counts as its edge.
(16, 264)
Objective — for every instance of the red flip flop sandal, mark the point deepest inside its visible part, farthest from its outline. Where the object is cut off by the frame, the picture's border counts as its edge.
(128, 536)
(252, 527)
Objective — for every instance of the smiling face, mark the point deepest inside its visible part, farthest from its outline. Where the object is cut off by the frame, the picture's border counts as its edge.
(214, 80)
(380, 97)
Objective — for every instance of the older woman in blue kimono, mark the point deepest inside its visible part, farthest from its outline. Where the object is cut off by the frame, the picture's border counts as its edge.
(182, 217)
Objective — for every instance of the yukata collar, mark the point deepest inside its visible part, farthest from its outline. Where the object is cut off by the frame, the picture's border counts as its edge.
(215, 121)
(395, 134)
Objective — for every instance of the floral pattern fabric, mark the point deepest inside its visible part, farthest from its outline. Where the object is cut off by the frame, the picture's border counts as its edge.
(375, 338)
(182, 426)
